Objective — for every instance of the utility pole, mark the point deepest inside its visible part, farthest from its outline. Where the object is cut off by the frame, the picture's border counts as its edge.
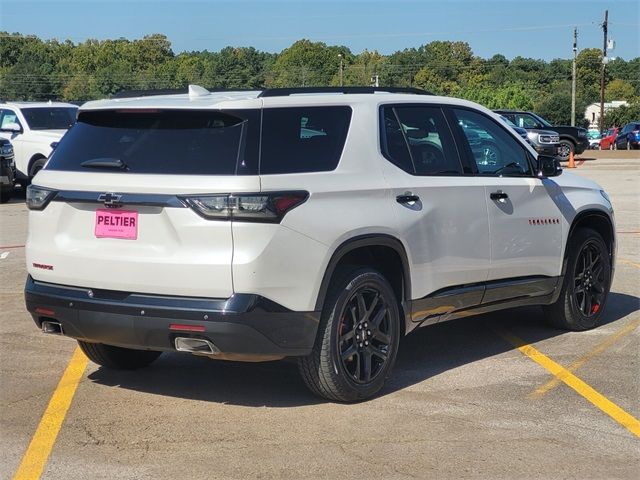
(605, 27)
(341, 69)
(573, 77)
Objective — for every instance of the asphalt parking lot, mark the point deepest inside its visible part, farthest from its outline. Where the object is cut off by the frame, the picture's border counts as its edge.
(464, 401)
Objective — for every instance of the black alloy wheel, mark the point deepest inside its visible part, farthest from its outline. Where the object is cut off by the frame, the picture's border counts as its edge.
(589, 287)
(583, 296)
(357, 340)
(364, 335)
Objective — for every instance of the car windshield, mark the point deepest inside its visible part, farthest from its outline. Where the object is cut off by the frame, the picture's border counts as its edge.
(542, 120)
(508, 122)
(50, 118)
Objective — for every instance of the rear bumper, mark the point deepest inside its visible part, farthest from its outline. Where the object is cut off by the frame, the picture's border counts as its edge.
(242, 325)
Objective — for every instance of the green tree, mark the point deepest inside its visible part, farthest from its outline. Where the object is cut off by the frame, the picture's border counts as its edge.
(588, 71)
(556, 108)
(307, 63)
(618, 117)
(619, 89)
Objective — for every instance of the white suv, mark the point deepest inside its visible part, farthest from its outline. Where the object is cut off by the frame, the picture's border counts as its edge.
(322, 224)
(34, 128)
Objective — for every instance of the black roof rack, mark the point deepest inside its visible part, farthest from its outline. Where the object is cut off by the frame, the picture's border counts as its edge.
(284, 92)
(273, 92)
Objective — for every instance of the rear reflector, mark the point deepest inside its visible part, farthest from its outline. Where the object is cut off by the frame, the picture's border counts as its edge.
(186, 328)
(45, 311)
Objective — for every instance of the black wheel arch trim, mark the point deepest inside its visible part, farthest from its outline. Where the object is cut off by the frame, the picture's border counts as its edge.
(574, 224)
(359, 241)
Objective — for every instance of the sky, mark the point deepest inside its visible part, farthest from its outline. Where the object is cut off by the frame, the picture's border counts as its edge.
(534, 28)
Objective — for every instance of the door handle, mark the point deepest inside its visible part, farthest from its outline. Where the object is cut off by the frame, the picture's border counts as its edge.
(407, 198)
(499, 195)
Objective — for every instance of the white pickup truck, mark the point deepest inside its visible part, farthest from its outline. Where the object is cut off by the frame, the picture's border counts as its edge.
(32, 128)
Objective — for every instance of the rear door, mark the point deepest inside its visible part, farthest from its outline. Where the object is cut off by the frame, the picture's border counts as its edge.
(440, 212)
(138, 201)
(524, 215)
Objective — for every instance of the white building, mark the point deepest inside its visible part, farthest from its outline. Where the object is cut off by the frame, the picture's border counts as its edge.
(592, 113)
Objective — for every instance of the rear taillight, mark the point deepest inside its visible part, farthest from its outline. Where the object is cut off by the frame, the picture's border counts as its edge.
(267, 207)
(38, 197)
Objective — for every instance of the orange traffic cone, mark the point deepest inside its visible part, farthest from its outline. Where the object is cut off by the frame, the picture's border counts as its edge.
(572, 162)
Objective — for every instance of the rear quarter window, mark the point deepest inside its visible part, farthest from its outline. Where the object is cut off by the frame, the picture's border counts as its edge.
(303, 139)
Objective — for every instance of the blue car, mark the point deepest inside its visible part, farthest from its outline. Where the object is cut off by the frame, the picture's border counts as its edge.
(629, 137)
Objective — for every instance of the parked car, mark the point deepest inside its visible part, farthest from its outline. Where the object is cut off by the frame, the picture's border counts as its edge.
(216, 224)
(545, 142)
(608, 140)
(33, 127)
(594, 139)
(7, 170)
(572, 139)
(629, 137)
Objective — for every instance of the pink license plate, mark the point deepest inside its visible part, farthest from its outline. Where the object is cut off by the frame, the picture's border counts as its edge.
(116, 224)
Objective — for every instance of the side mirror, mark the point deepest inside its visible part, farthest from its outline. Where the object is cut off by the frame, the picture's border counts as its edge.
(11, 127)
(548, 166)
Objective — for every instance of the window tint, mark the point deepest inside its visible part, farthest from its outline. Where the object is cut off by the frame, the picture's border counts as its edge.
(303, 139)
(394, 145)
(425, 131)
(54, 118)
(494, 150)
(163, 141)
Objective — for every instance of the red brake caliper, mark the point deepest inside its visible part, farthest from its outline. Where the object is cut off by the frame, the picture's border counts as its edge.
(595, 308)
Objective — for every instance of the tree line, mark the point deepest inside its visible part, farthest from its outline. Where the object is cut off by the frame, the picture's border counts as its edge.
(36, 69)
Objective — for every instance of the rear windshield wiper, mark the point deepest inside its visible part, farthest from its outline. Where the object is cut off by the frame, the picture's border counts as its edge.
(105, 163)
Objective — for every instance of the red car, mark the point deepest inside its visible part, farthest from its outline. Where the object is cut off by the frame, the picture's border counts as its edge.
(609, 139)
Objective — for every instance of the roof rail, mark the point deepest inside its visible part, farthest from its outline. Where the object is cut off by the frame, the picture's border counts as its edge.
(175, 91)
(284, 92)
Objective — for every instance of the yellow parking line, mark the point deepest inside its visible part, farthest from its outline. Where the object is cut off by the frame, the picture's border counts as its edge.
(36, 456)
(589, 393)
(606, 343)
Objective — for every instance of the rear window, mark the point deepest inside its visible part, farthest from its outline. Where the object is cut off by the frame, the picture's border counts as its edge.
(187, 142)
(303, 139)
(50, 118)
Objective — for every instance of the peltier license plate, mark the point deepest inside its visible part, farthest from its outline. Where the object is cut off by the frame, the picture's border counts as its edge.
(116, 224)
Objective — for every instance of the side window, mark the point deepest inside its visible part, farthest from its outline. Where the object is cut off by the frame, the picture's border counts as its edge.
(526, 121)
(7, 117)
(303, 139)
(394, 145)
(494, 150)
(430, 144)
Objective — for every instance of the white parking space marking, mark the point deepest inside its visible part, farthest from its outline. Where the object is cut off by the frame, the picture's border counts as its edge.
(4, 255)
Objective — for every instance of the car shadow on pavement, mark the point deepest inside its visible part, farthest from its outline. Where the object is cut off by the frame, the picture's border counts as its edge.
(423, 354)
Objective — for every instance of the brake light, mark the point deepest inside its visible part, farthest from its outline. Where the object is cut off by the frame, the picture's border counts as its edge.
(269, 207)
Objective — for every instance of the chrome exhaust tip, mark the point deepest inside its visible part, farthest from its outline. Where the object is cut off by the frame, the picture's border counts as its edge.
(54, 328)
(198, 346)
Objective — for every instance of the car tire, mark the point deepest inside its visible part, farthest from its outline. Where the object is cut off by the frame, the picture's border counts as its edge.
(357, 340)
(565, 149)
(586, 283)
(118, 358)
(36, 167)
(6, 194)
